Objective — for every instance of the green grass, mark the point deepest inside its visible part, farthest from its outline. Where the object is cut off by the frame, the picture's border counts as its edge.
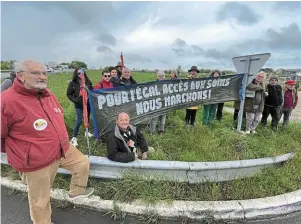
(216, 143)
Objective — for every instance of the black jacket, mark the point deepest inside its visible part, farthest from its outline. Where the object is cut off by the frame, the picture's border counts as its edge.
(118, 149)
(125, 82)
(274, 98)
(119, 73)
(115, 81)
(74, 90)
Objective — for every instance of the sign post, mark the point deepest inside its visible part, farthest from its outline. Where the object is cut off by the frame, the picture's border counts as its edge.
(248, 65)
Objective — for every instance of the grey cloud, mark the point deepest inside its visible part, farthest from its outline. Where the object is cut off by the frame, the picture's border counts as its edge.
(179, 51)
(43, 25)
(238, 11)
(216, 54)
(287, 6)
(179, 42)
(85, 12)
(205, 64)
(178, 47)
(163, 61)
(287, 38)
(104, 49)
(136, 58)
(107, 39)
(297, 59)
(88, 16)
(197, 50)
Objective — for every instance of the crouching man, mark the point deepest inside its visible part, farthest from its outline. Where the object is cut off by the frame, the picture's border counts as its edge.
(125, 143)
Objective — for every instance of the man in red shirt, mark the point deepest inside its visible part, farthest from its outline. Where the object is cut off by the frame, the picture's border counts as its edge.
(105, 81)
(35, 138)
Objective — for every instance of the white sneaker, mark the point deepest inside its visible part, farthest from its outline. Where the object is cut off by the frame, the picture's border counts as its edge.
(89, 191)
(74, 141)
(89, 135)
(247, 132)
(253, 132)
(151, 149)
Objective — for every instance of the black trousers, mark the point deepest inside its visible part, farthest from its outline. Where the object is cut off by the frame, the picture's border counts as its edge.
(219, 111)
(190, 116)
(235, 119)
(286, 116)
(274, 112)
(235, 115)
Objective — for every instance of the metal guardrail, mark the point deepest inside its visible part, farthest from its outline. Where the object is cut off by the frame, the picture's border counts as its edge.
(191, 172)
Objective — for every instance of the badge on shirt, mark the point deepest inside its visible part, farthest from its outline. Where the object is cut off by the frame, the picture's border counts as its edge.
(57, 110)
(40, 124)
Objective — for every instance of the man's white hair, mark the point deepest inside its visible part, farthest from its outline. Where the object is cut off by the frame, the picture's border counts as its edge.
(21, 66)
(125, 69)
(262, 74)
(161, 73)
(122, 113)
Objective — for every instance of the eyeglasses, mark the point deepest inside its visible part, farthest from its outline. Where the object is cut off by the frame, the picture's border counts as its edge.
(107, 76)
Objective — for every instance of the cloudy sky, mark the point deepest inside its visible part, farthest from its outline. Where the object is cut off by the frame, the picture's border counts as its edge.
(152, 34)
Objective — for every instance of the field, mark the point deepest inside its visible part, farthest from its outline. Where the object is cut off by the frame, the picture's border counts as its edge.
(217, 143)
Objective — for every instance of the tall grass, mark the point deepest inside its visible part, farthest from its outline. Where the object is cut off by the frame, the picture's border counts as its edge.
(219, 142)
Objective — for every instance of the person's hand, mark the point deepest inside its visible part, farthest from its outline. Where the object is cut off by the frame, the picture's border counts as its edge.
(144, 156)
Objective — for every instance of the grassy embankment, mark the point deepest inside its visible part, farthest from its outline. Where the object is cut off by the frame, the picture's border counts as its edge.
(217, 143)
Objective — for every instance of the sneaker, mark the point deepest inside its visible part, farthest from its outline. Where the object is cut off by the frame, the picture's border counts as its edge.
(90, 135)
(253, 132)
(275, 128)
(161, 132)
(151, 149)
(86, 194)
(74, 141)
(247, 132)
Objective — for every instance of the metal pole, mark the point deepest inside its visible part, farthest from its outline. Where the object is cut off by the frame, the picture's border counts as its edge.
(244, 87)
(88, 142)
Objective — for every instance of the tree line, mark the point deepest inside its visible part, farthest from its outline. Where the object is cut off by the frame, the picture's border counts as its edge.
(9, 64)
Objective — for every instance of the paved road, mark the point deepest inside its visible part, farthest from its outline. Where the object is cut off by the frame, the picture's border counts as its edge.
(14, 210)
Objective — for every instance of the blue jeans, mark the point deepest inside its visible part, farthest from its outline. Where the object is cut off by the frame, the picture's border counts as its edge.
(79, 119)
